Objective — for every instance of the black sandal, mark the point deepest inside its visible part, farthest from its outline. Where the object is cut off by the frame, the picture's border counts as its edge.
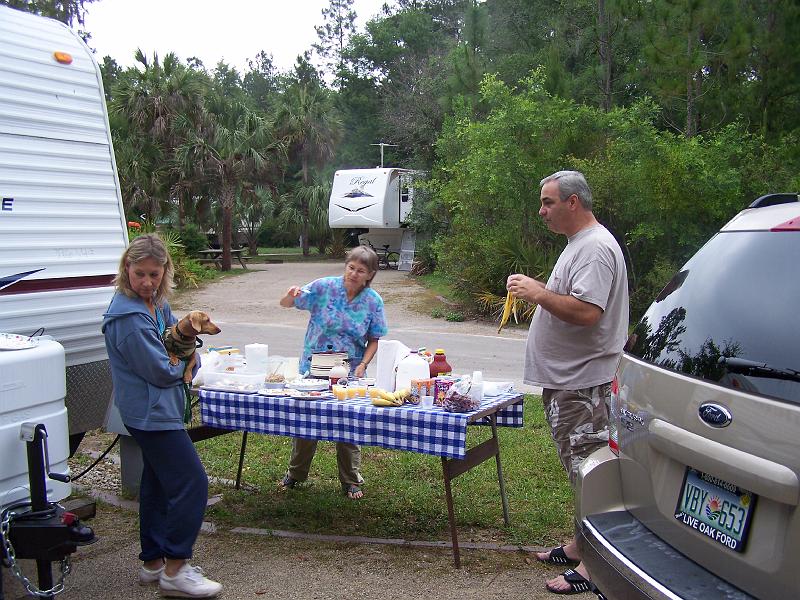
(351, 489)
(578, 584)
(288, 483)
(557, 556)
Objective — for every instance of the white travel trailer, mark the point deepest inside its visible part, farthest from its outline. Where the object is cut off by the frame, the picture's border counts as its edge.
(378, 200)
(62, 223)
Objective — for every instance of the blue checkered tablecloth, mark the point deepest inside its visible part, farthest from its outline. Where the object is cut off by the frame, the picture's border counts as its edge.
(410, 427)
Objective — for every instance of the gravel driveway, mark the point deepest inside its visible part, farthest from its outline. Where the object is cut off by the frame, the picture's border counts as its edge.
(255, 566)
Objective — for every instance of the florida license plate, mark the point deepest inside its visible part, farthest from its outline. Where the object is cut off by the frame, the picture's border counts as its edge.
(715, 508)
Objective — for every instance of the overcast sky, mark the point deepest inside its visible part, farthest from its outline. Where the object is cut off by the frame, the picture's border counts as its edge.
(233, 30)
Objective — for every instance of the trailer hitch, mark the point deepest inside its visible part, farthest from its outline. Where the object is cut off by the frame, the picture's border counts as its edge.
(40, 530)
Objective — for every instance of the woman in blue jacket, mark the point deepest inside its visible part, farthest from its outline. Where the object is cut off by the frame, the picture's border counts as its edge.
(148, 392)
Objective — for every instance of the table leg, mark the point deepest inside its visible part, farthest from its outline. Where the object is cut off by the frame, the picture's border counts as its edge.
(453, 467)
(451, 515)
(503, 497)
(241, 459)
(241, 262)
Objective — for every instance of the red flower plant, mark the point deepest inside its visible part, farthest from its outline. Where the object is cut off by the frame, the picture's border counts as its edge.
(134, 225)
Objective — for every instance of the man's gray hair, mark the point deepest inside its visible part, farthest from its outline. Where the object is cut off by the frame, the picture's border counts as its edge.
(571, 182)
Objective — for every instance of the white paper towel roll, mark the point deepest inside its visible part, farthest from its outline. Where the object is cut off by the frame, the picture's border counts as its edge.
(390, 352)
(257, 357)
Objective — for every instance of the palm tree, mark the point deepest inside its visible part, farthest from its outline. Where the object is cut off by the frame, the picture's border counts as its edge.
(157, 101)
(241, 147)
(313, 199)
(307, 120)
(257, 206)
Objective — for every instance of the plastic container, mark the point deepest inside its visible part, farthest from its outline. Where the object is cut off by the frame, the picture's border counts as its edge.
(288, 366)
(411, 367)
(476, 391)
(230, 379)
(439, 366)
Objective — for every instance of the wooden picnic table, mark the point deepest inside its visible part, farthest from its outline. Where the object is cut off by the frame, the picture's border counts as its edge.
(214, 255)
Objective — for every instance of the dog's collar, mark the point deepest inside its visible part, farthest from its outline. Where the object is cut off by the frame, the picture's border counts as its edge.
(183, 336)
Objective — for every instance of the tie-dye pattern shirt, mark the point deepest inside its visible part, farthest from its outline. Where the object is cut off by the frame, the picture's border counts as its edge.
(336, 322)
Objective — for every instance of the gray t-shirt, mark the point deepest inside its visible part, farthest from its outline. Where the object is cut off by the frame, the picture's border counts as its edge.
(562, 356)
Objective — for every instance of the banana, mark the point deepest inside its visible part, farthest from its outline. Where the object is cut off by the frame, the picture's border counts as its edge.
(382, 402)
(507, 308)
(396, 398)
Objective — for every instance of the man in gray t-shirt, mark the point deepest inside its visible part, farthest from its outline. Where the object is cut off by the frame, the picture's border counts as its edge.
(575, 339)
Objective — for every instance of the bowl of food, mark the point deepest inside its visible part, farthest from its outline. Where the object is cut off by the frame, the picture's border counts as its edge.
(274, 381)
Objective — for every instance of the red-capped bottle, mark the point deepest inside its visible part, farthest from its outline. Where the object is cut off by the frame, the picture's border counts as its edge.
(439, 365)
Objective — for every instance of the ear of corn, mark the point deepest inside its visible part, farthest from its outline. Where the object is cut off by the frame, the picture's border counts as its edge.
(507, 307)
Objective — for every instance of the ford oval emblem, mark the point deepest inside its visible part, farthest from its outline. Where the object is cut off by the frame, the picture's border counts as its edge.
(715, 415)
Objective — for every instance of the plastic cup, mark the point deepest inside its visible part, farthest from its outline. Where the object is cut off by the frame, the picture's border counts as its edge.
(361, 391)
(340, 392)
(426, 402)
(351, 392)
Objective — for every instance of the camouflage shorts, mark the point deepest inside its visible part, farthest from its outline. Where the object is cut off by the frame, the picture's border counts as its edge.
(578, 423)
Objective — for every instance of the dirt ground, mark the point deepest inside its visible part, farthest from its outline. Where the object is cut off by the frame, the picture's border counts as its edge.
(254, 565)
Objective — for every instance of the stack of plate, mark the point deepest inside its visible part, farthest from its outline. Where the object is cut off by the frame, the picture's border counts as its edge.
(323, 362)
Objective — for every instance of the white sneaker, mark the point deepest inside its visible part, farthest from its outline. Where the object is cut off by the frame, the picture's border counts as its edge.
(188, 582)
(146, 576)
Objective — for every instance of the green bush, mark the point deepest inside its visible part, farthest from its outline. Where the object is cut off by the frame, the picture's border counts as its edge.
(661, 195)
(454, 316)
(437, 313)
(193, 239)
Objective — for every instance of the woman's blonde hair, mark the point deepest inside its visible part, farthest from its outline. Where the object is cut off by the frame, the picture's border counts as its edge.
(147, 245)
(366, 256)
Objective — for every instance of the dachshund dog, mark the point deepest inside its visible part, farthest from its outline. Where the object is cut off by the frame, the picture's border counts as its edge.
(180, 339)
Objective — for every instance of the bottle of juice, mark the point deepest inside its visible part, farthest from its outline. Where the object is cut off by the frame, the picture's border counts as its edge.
(439, 366)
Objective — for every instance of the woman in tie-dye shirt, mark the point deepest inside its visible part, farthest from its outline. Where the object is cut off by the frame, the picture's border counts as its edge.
(346, 316)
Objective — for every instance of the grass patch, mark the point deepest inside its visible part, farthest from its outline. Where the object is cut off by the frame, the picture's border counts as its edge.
(297, 250)
(437, 283)
(404, 490)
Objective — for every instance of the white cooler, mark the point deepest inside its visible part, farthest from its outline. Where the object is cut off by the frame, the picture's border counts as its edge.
(32, 390)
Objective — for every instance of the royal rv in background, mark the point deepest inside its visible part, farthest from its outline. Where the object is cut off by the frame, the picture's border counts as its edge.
(62, 223)
(376, 202)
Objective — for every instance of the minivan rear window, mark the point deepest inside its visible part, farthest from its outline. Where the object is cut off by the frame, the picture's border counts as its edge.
(730, 316)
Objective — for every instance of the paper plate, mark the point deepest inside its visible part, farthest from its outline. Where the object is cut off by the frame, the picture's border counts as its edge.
(310, 396)
(13, 341)
(274, 392)
(308, 385)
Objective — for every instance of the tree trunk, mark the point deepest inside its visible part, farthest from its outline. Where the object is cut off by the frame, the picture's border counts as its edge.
(181, 211)
(691, 92)
(605, 56)
(304, 211)
(228, 197)
(766, 72)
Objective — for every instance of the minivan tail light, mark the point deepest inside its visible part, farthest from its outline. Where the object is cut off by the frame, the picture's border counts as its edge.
(790, 225)
(613, 411)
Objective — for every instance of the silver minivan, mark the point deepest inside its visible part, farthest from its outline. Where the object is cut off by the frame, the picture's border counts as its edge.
(697, 494)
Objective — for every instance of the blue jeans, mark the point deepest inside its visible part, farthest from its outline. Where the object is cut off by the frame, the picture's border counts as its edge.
(172, 496)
